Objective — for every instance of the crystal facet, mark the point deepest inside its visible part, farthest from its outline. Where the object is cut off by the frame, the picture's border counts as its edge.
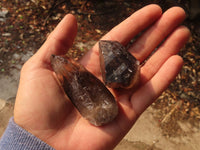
(119, 68)
(88, 94)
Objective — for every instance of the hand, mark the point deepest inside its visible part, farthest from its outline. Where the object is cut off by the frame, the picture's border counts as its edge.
(42, 109)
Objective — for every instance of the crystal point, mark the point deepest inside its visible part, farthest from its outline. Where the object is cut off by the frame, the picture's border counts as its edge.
(88, 94)
(119, 68)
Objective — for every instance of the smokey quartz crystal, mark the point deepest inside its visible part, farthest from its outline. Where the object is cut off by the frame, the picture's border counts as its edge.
(88, 94)
(119, 68)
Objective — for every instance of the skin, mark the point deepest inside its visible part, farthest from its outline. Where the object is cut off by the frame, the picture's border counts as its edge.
(42, 108)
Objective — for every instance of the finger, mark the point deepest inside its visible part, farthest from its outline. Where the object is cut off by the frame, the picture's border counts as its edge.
(157, 33)
(124, 32)
(60, 40)
(170, 47)
(134, 24)
(145, 96)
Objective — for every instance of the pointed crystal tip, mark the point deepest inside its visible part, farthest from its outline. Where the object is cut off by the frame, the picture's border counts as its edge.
(86, 92)
(119, 68)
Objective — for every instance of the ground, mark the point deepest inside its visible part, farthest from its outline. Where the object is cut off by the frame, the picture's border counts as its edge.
(172, 122)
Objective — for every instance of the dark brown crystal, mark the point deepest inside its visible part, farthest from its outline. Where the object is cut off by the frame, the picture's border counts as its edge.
(119, 68)
(88, 94)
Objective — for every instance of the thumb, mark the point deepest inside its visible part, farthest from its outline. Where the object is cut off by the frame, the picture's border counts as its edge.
(59, 41)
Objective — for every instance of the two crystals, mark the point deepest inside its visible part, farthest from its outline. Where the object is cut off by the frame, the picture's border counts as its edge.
(88, 94)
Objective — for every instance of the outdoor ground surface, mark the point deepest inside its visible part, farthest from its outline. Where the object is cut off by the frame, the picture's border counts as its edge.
(172, 122)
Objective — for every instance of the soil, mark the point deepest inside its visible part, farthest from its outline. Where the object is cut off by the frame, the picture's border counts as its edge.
(25, 26)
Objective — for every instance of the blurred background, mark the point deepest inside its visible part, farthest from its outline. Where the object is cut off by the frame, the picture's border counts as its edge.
(25, 24)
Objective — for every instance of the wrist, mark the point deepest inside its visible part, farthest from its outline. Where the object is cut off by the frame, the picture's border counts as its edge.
(15, 137)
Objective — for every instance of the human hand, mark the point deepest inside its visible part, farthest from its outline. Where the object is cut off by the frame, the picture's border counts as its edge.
(41, 106)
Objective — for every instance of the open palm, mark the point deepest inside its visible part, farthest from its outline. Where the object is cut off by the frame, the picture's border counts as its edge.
(43, 109)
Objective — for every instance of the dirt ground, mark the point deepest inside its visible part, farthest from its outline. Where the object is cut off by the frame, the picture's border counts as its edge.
(172, 122)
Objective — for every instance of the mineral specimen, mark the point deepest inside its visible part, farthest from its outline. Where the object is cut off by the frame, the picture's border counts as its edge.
(88, 94)
(119, 68)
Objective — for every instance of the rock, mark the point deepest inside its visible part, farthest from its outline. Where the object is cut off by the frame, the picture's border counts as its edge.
(88, 94)
(16, 56)
(3, 13)
(119, 68)
(6, 34)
